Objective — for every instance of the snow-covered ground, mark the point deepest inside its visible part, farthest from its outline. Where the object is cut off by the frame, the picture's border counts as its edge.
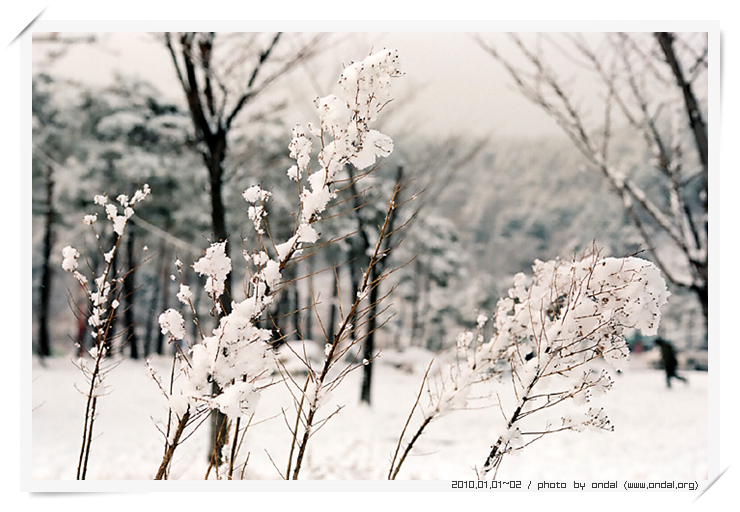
(659, 433)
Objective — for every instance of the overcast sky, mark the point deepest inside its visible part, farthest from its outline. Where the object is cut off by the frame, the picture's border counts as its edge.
(451, 85)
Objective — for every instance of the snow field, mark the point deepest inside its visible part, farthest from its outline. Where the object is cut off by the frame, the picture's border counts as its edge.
(659, 433)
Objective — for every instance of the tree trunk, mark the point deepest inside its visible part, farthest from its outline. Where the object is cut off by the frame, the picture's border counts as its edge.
(334, 306)
(164, 289)
(425, 301)
(44, 341)
(355, 272)
(703, 294)
(293, 299)
(308, 324)
(212, 125)
(416, 304)
(152, 320)
(369, 345)
(129, 289)
(698, 127)
(699, 131)
(108, 342)
(376, 270)
(214, 161)
(197, 295)
(701, 289)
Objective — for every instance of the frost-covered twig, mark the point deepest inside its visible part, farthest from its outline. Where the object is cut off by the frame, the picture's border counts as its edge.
(103, 302)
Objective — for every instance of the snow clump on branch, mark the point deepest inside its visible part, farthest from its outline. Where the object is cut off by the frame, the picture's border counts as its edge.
(346, 119)
(216, 266)
(581, 309)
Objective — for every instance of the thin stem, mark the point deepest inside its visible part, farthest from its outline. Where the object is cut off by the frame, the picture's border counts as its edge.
(330, 358)
(393, 471)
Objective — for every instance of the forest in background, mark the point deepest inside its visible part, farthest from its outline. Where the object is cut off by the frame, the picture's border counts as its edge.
(487, 208)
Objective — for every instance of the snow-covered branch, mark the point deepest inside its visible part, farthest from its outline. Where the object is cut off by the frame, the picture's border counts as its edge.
(103, 301)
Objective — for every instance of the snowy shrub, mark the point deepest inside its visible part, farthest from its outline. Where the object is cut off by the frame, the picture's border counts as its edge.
(554, 327)
(237, 354)
(103, 292)
(556, 335)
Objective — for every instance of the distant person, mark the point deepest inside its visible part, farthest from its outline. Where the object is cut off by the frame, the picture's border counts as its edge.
(670, 363)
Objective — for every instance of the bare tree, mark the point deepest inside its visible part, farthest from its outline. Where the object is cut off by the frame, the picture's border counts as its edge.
(215, 103)
(649, 81)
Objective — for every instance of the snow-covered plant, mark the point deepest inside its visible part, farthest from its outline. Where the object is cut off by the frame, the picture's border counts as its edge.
(552, 328)
(237, 354)
(347, 118)
(556, 336)
(102, 292)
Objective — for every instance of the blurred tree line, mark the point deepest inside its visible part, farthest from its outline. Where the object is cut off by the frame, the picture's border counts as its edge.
(482, 210)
